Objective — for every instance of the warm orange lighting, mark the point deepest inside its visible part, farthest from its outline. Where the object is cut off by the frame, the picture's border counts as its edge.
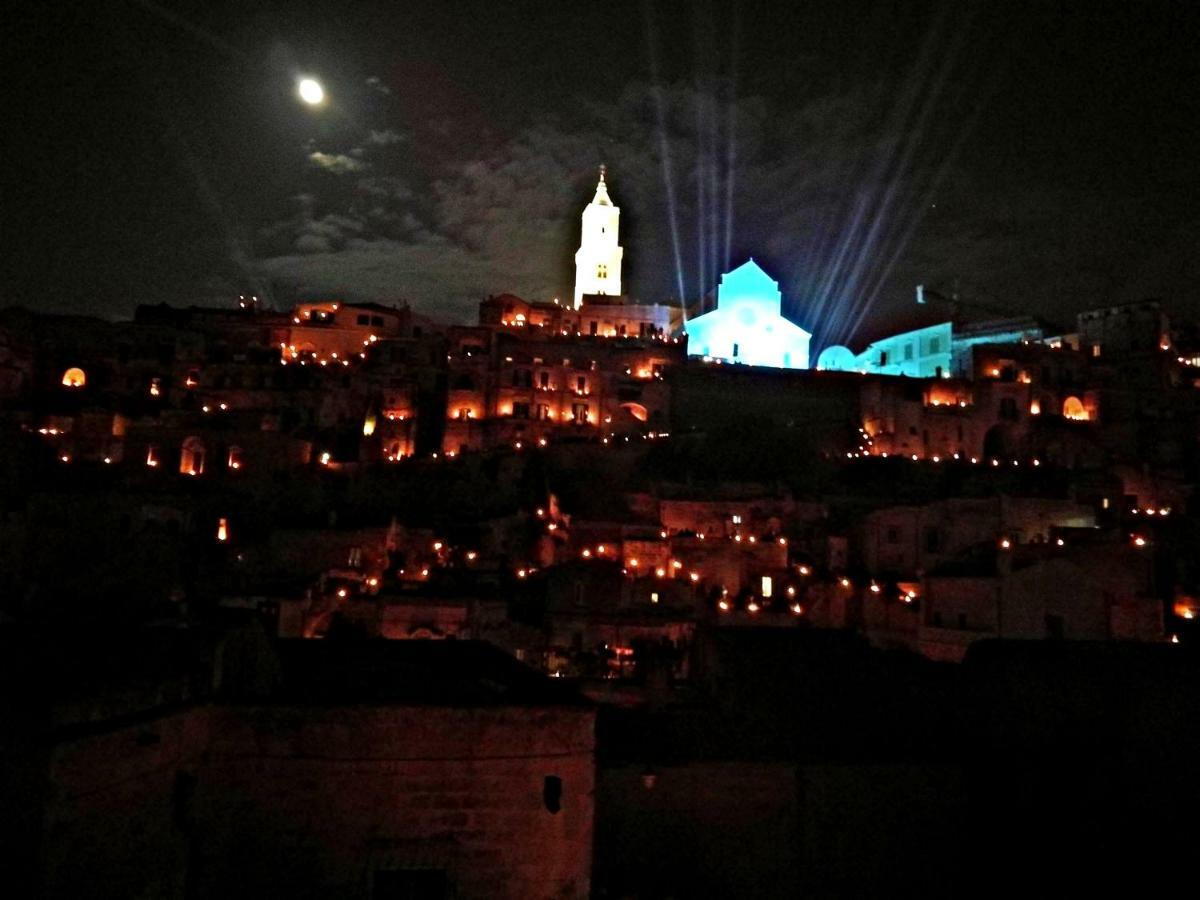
(1073, 409)
(471, 554)
(341, 592)
(1035, 408)
(1005, 543)
(723, 605)
(804, 570)
(369, 425)
(660, 572)
(875, 588)
(797, 609)
(586, 554)
(845, 582)
(695, 576)
(74, 378)
(152, 457)
(752, 607)
(767, 586)
(633, 563)
(600, 548)
(521, 573)
(1139, 541)
(437, 545)
(222, 530)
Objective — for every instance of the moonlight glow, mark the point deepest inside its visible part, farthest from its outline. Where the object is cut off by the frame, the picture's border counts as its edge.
(311, 91)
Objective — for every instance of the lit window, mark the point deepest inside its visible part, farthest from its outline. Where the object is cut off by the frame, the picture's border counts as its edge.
(1073, 408)
(74, 378)
(191, 457)
(767, 586)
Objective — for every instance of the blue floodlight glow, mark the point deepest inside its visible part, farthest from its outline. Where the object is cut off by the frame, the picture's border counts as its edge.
(747, 325)
(924, 353)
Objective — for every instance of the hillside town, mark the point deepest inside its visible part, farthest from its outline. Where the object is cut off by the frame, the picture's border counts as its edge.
(639, 561)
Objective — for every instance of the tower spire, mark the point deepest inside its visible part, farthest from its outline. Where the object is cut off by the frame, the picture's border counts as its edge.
(602, 197)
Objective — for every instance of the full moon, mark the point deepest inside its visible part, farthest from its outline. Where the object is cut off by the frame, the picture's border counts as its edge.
(311, 91)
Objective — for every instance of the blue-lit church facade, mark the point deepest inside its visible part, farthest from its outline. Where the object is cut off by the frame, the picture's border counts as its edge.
(748, 326)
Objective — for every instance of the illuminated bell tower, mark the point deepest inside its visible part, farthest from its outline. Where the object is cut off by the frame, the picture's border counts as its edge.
(598, 259)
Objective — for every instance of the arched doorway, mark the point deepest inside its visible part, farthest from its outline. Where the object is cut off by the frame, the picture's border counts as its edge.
(995, 442)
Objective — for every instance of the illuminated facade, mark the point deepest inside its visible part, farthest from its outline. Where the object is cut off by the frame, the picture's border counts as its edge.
(923, 353)
(748, 326)
(598, 259)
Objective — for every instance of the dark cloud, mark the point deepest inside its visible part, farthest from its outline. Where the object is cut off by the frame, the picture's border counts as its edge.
(814, 192)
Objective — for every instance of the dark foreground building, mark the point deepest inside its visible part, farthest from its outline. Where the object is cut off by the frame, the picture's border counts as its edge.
(315, 769)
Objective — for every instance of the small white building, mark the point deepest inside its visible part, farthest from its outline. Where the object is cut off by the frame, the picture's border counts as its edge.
(748, 326)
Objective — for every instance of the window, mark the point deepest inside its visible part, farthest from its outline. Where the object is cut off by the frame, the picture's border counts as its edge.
(883, 357)
(376, 320)
(74, 378)
(908, 352)
(522, 378)
(601, 271)
(893, 535)
(191, 457)
(464, 412)
(363, 320)
(579, 413)
(735, 350)
(593, 327)
(1008, 409)
(520, 410)
(581, 384)
(935, 345)
(1095, 349)
(933, 539)
(543, 412)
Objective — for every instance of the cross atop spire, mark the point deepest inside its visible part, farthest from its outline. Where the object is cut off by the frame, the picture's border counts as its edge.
(602, 197)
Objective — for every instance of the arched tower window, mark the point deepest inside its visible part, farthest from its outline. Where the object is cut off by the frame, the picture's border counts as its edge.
(74, 378)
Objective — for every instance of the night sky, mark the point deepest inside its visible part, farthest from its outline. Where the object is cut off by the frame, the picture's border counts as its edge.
(1037, 157)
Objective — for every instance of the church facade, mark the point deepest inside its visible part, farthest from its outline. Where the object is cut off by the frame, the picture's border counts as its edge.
(748, 325)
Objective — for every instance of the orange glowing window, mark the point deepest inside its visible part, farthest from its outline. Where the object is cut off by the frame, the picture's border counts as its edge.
(191, 457)
(1073, 408)
(74, 378)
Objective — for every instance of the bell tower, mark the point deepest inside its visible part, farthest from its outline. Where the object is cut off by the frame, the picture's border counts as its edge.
(598, 259)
